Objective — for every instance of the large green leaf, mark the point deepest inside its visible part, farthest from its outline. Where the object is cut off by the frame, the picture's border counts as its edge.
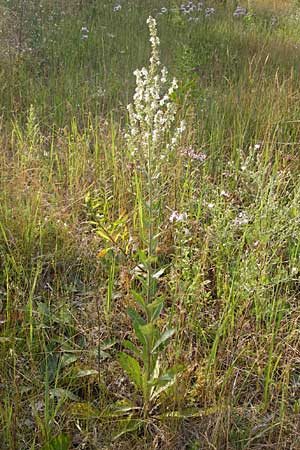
(127, 426)
(163, 338)
(135, 317)
(133, 348)
(64, 394)
(81, 373)
(155, 308)
(140, 300)
(103, 234)
(148, 330)
(137, 321)
(132, 368)
(60, 442)
(162, 386)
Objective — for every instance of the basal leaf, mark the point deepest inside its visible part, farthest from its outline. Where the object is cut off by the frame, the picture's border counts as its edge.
(68, 359)
(61, 393)
(83, 409)
(108, 343)
(123, 408)
(60, 442)
(86, 373)
(127, 426)
(160, 389)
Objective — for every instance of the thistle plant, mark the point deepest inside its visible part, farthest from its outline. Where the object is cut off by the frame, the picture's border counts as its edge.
(152, 136)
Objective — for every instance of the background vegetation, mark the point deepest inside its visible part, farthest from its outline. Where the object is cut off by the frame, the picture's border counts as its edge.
(72, 227)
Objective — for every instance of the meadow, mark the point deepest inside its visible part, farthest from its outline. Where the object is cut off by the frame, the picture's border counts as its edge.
(150, 253)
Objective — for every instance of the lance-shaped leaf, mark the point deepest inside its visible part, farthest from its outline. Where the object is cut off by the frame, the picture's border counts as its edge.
(133, 348)
(155, 308)
(127, 426)
(149, 332)
(132, 368)
(163, 338)
(137, 322)
(60, 442)
(159, 273)
(103, 234)
(135, 317)
(139, 299)
(162, 387)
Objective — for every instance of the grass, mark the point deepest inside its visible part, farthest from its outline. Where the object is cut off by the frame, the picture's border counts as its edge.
(73, 229)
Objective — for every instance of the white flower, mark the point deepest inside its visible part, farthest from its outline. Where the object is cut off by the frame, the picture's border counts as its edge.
(294, 270)
(241, 219)
(182, 127)
(178, 217)
(209, 11)
(164, 100)
(117, 8)
(224, 194)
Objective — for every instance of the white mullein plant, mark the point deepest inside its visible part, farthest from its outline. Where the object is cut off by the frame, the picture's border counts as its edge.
(152, 135)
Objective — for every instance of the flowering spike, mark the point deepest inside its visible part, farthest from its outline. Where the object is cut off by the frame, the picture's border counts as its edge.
(152, 113)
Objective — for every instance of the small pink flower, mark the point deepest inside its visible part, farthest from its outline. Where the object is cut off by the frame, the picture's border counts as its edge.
(190, 153)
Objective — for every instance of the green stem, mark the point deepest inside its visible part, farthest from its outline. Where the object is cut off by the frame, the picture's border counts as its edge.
(149, 279)
(150, 230)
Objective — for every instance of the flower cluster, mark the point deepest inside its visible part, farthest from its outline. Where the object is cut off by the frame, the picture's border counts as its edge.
(190, 7)
(152, 113)
(190, 153)
(241, 219)
(209, 11)
(178, 217)
(240, 11)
